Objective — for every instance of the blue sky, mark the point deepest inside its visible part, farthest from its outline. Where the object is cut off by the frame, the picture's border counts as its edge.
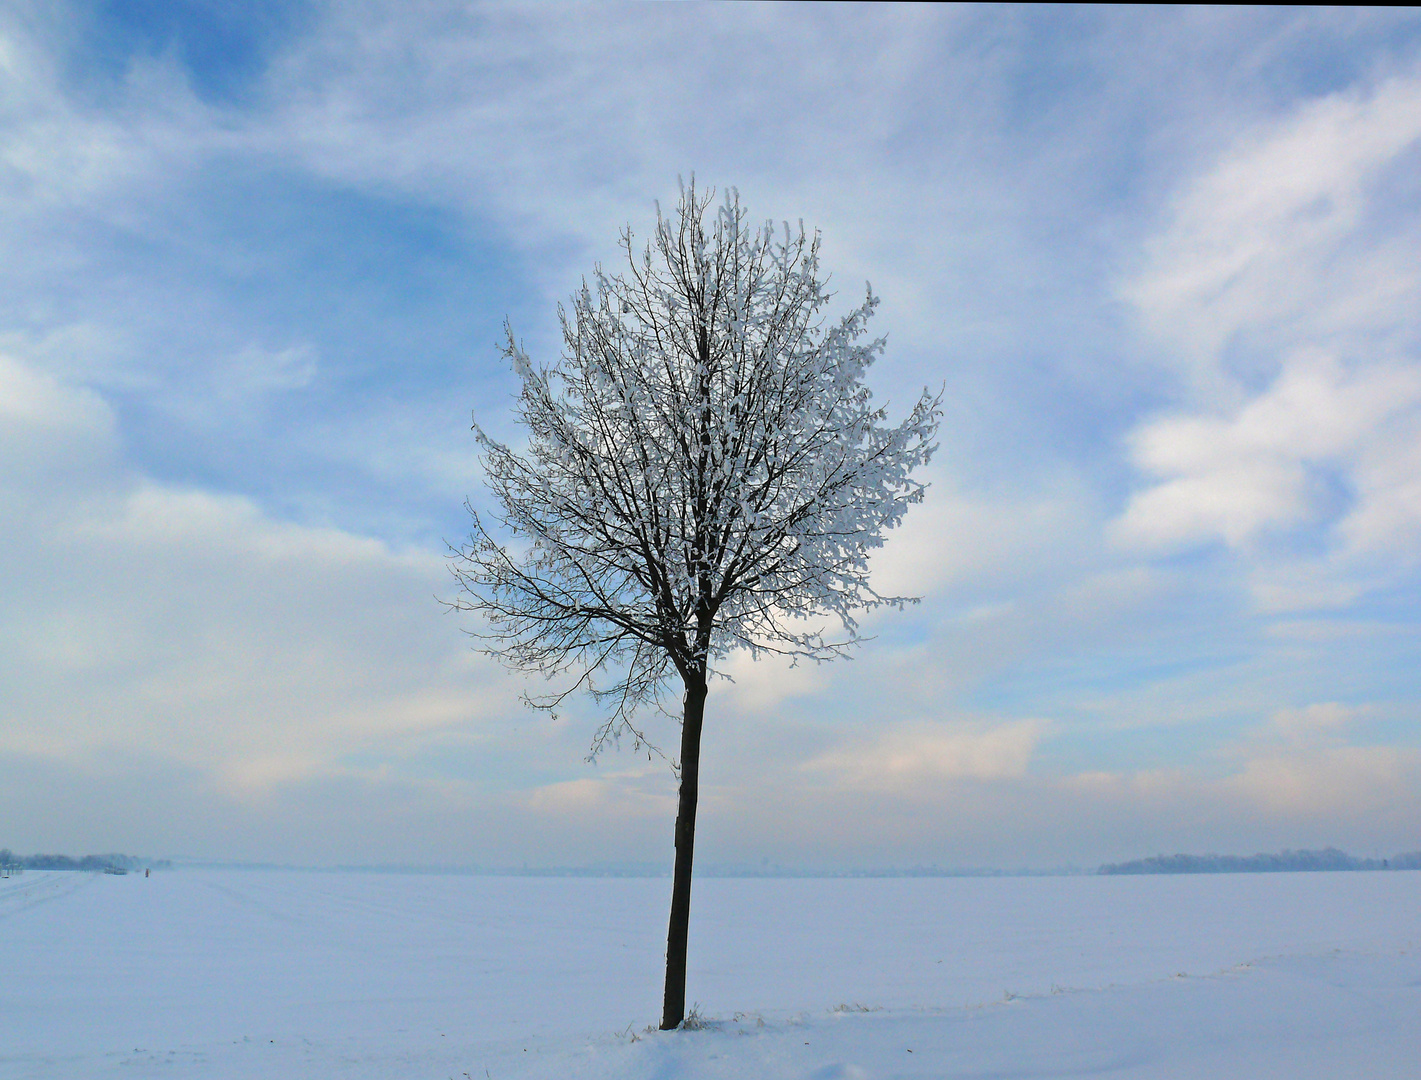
(255, 264)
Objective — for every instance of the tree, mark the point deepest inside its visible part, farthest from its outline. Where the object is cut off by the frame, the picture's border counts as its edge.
(705, 472)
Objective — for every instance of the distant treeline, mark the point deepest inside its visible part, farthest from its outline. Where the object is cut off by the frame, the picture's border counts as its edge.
(1326, 859)
(84, 862)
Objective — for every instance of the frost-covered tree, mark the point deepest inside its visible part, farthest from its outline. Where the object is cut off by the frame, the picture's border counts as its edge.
(705, 472)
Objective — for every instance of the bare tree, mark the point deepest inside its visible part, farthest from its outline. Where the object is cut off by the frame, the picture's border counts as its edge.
(704, 472)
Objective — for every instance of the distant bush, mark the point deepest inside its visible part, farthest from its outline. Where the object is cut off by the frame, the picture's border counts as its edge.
(84, 862)
(1325, 859)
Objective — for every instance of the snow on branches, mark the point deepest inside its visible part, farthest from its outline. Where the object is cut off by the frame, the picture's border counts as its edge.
(705, 469)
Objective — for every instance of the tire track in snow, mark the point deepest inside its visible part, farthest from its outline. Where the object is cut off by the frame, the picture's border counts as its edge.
(43, 889)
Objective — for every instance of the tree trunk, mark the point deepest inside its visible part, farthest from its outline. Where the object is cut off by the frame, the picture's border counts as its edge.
(673, 1010)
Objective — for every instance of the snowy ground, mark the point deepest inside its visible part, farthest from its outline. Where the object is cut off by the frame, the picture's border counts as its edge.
(342, 975)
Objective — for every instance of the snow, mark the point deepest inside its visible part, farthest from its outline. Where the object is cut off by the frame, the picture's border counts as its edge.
(277, 974)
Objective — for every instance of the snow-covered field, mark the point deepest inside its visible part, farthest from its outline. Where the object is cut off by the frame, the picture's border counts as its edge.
(258, 974)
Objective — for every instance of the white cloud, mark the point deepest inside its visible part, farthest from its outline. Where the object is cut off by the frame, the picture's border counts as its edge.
(761, 685)
(1288, 287)
(1292, 235)
(957, 539)
(189, 624)
(908, 757)
(1238, 476)
(1351, 780)
(606, 798)
(256, 371)
(1323, 719)
(42, 421)
(423, 99)
(1307, 761)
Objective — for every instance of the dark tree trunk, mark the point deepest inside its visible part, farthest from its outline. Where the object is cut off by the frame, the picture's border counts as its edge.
(673, 1010)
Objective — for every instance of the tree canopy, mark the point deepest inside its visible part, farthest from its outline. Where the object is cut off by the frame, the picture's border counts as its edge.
(705, 469)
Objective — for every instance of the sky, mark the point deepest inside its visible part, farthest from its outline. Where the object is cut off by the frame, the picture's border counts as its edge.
(255, 261)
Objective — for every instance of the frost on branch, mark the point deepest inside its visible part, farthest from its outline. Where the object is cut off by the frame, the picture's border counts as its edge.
(705, 469)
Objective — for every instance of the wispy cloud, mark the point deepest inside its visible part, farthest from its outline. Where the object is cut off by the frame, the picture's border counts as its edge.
(1287, 288)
